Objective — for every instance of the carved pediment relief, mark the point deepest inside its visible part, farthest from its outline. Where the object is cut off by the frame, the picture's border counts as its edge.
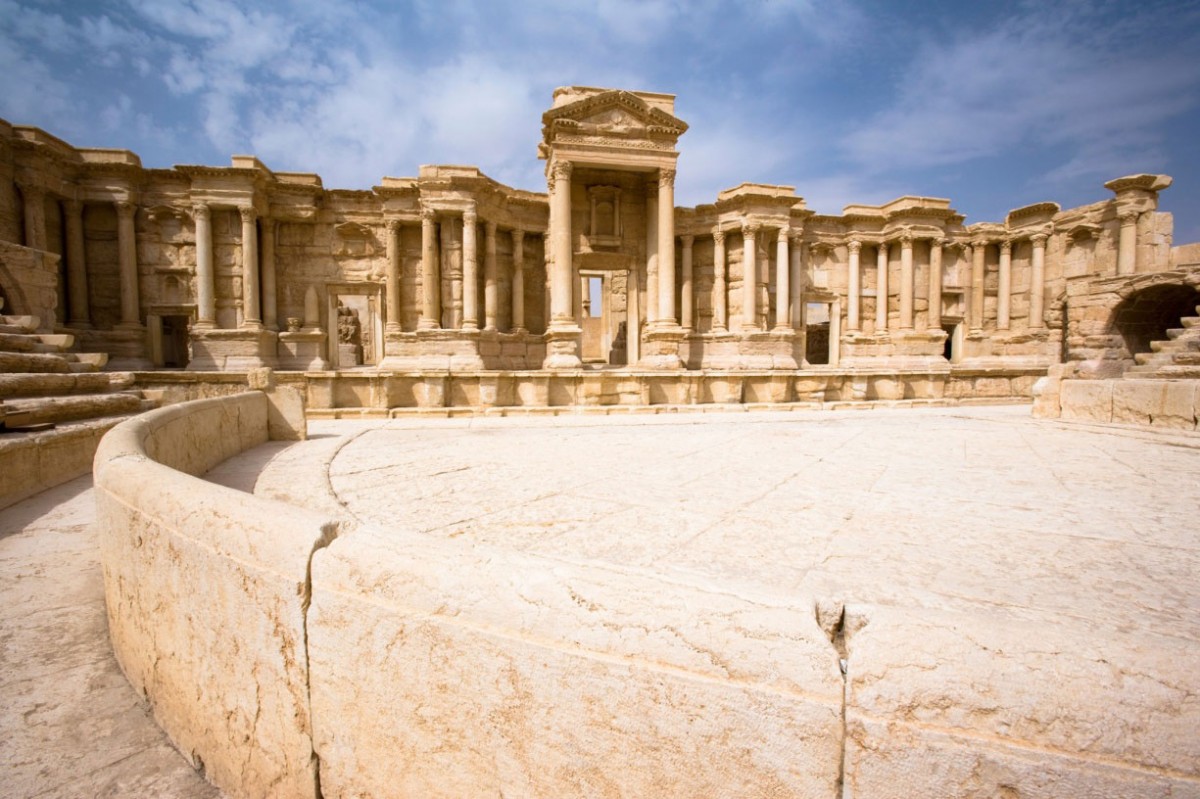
(353, 240)
(616, 113)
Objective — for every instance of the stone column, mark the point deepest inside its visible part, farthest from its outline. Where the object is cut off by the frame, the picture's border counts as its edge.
(881, 288)
(1127, 245)
(430, 280)
(783, 282)
(206, 302)
(35, 216)
(491, 286)
(687, 298)
(1037, 282)
(470, 257)
(633, 319)
(270, 294)
(251, 316)
(561, 288)
(934, 317)
(1004, 289)
(978, 256)
(720, 323)
(749, 276)
(393, 277)
(518, 282)
(77, 266)
(907, 280)
(666, 247)
(651, 256)
(796, 254)
(853, 288)
(127, 258)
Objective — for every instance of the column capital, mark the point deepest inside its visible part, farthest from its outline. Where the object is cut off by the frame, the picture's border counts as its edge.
(31, 191)
(750, 228)
(200, 211)
(1039, 239)
(1006, 246)
(797, 236)
(854, 245)
(247, 213)
(561, 170)
(980, 241)
(718, 235)
(489, 228)
(73, 206)
(125, 208)
(1129, 218)
(518, 234)
(470, 217)
(688, 239)
(937, 241)
(782, 234)
(906, 240)
(666, 178)
(393, 225)
(428, 214)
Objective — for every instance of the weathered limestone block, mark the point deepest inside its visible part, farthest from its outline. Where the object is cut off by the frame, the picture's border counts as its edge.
(1158, 403)
(34, 462)
(1088, 400)
(990, 708)
(445, 670)
(206, 590)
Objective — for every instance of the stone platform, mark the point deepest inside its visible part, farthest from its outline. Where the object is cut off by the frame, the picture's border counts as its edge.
(1012, 600)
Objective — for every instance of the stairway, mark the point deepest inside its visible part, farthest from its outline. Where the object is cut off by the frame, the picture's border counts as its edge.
(43, 385)
(1176, 357)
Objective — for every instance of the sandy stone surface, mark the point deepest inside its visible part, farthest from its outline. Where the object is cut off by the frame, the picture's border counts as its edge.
(1020, 608)
(70, 724)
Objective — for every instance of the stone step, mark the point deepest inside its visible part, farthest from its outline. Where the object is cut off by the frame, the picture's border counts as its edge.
(40, 410)
(1190, 321)
(59, 341)
(1175, 332)
(20, 324)
(36, 362)
(18, 342)
(51, 384)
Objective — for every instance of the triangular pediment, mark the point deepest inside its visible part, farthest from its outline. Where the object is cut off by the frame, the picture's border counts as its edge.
(616, 112)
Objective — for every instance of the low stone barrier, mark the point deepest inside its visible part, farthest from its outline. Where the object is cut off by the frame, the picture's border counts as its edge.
(207, 590)
(1168, 404)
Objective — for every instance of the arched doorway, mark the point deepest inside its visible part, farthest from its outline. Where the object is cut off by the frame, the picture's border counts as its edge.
(1147, 315)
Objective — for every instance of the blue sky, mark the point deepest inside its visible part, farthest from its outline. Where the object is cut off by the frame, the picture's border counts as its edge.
(992, 105)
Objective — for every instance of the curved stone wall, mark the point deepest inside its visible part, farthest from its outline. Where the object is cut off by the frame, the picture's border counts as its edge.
(207, 590)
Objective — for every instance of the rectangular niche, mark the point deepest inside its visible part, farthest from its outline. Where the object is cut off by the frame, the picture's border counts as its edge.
(604, 229)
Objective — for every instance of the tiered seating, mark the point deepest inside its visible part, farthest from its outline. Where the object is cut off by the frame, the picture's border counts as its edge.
(42, 384)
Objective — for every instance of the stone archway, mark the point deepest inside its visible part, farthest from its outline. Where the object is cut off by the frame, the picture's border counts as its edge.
(1148, 314)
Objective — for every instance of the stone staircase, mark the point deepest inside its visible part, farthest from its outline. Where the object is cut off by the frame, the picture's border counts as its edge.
(1176, 357)
(42, 384)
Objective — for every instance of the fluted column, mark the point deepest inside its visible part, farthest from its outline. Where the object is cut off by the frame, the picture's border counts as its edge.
(206, 303)
(470, 257)
(881, 288)
(35, 216)
(749, 276)
(518, 281)
(720, 292)
(128, 266)
(783, 282)
(978, 261)
(854, 288)
(430, 280)
(651, 256)
(907, 280)
(796, 268)
(77, 282)
(666, 247)
(491, 288)
(687, 294)
(935, 285)
(1004, 289)
(1037, 282)
(251, 316)
(270, 306)
(393, 277)
(1127, 245)
(561, 288)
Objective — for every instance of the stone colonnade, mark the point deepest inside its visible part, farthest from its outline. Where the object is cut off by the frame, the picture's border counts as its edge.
(432, 302)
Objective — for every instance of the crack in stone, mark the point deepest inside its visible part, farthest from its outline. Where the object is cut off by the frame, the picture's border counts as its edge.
(329, 533)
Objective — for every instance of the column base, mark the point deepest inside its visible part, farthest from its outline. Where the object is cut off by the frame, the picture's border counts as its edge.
(660, 348)
(563, 345)
(232, 350)
(448, 350)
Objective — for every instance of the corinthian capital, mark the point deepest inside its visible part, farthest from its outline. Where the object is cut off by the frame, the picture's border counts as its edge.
(1039, 239)
(718, 236)
(200, 212)
(666, 178)
(561, 170)
(854, 246)
(749, 229)
(248, 213)
(125, 209)
(1006, 246)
